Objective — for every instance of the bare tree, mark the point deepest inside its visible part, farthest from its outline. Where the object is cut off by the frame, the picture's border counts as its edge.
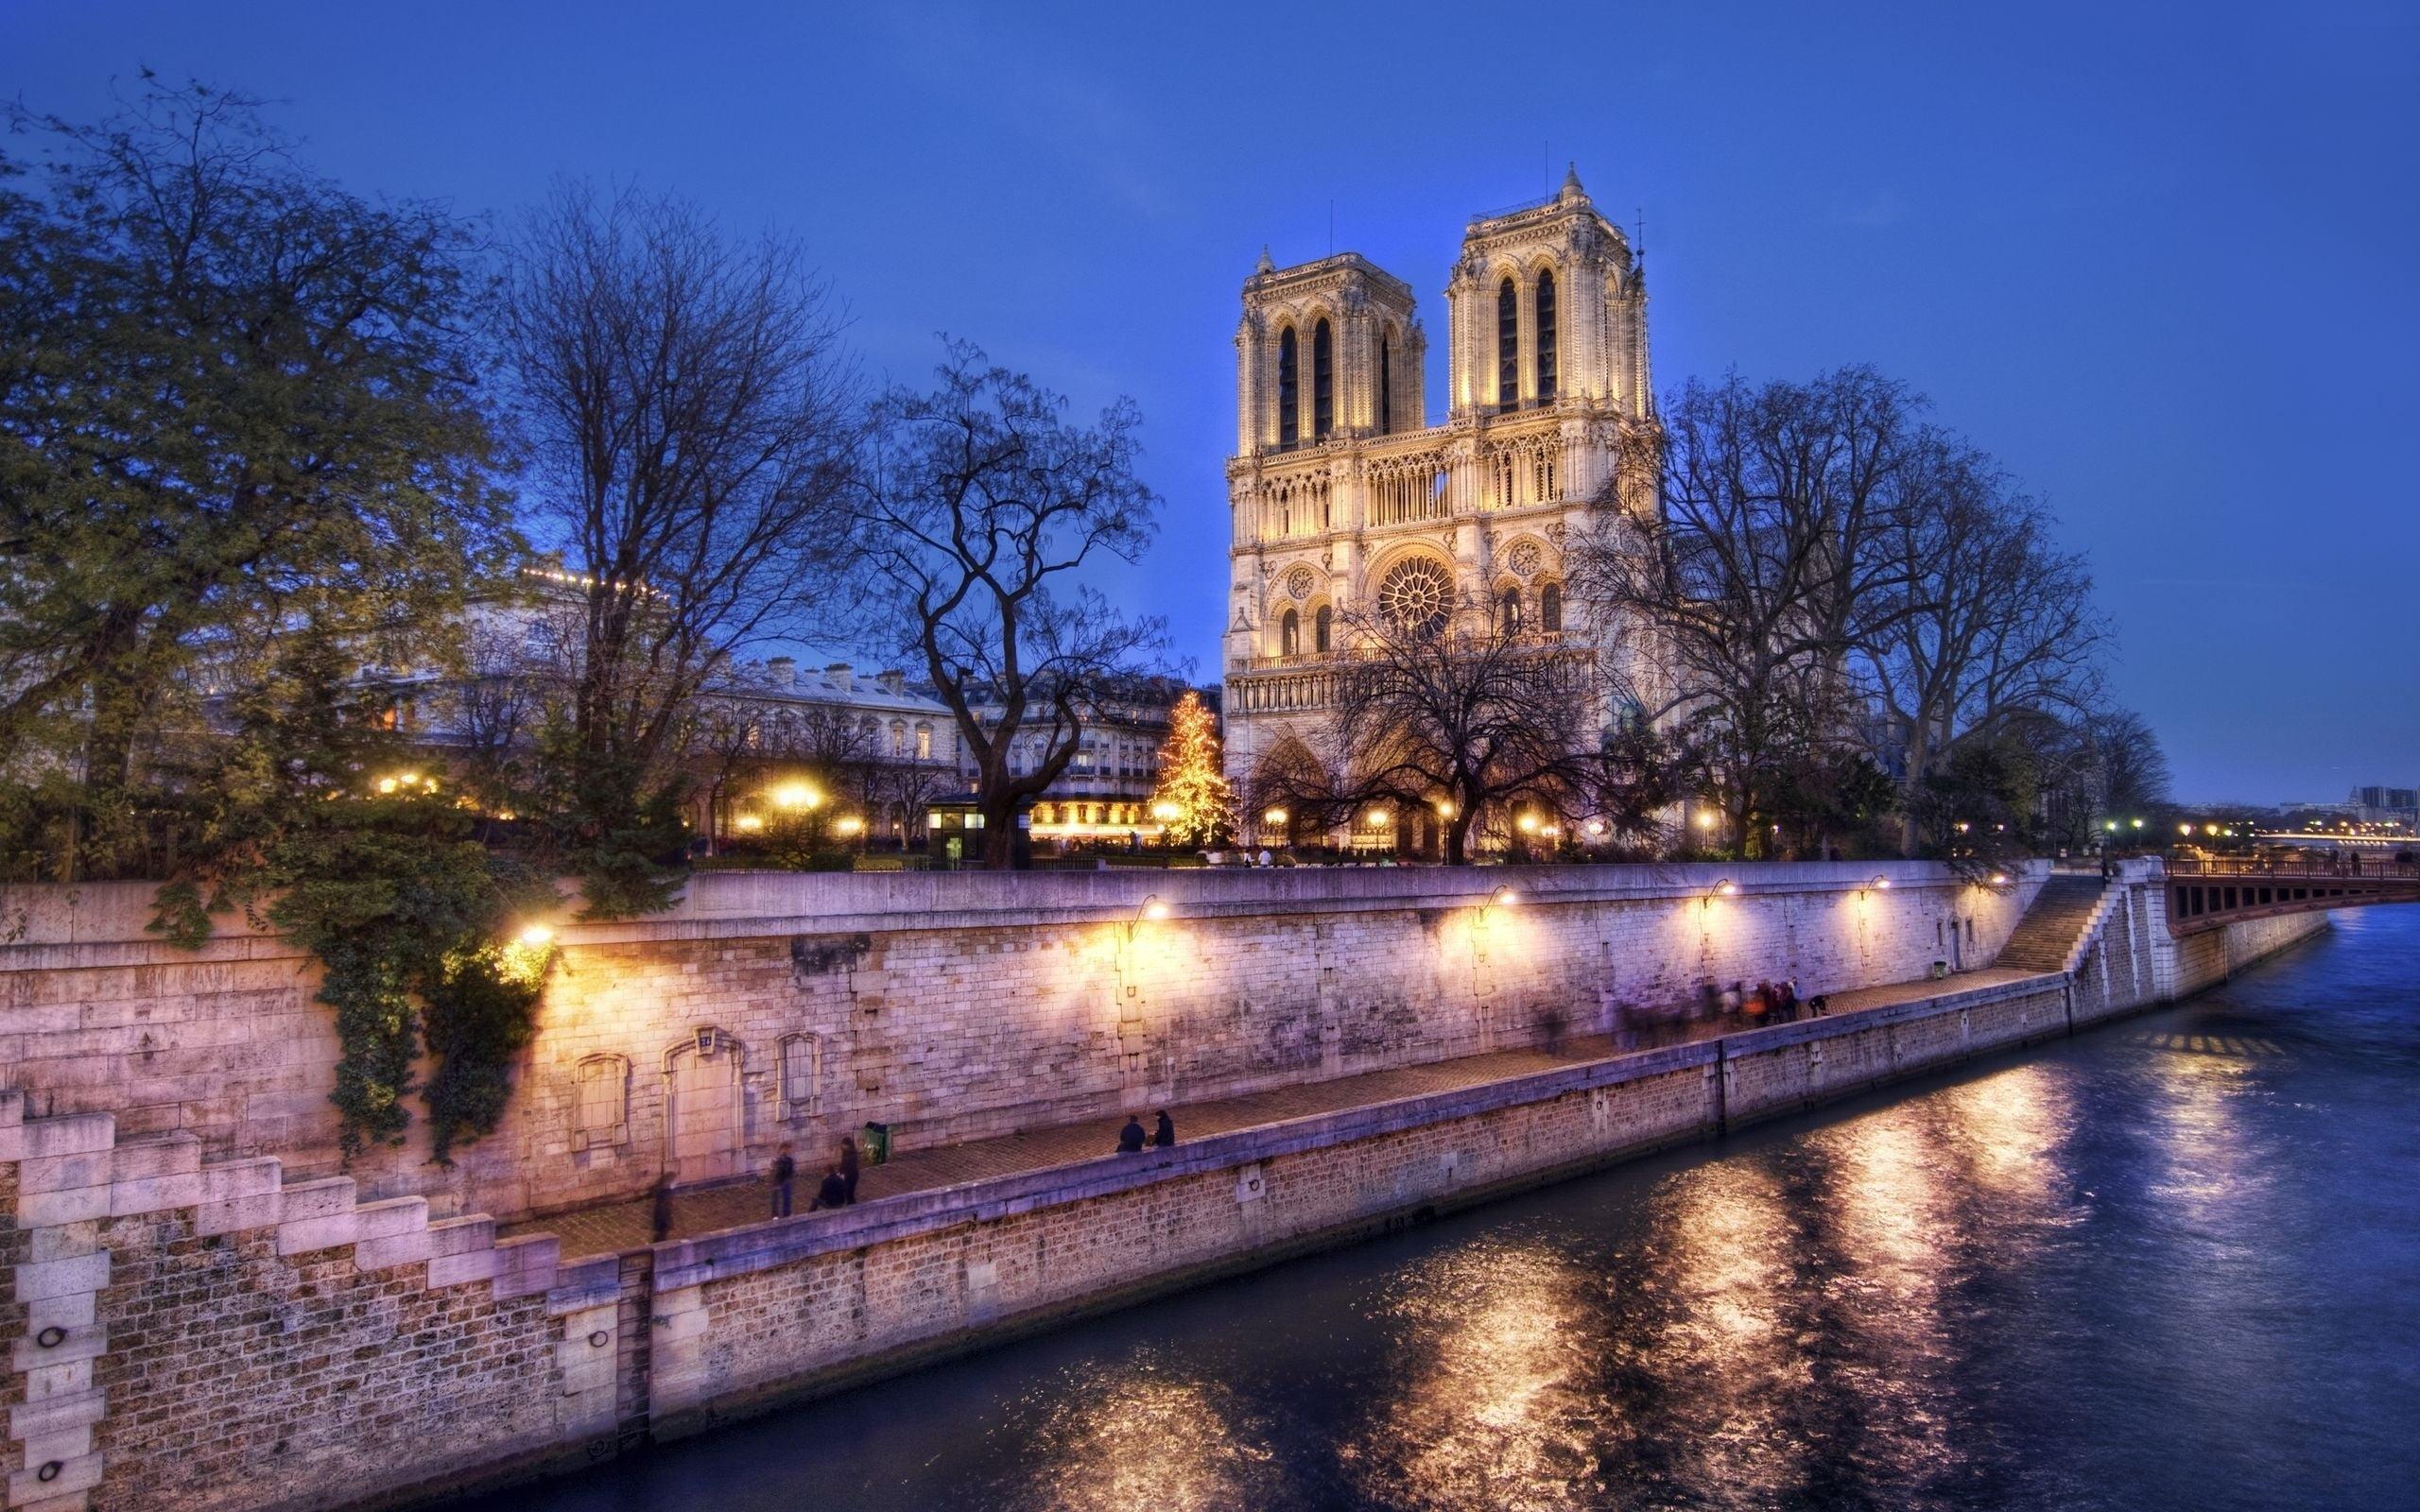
(692, 427)
(1738, 589)
(983, 507)
(1998, 624)
(1459, 705)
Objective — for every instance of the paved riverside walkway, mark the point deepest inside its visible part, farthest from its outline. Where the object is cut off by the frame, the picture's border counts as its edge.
(618, 1225)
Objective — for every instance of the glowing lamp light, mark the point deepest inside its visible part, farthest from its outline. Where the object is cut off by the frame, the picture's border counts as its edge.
(537, 936)
(1726, 888)
(1596, 826)
(1999, 879)
(796, 796)
(1503, 898)
(850, 824)
(2184, 829)
(1880, 885)
(747, 823)
(2111, 825)
(1376, 818)
(1706, 818)
(2139, 824)
(1153, 908)
(1529, 823)
(1444, 807)
(1273, 817)
(1165, 812)
(385, 784)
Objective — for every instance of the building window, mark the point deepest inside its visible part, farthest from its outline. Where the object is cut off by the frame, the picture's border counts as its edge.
(802, 1070)
(1507, 346)
(1386, 382)
(1290, 634)
(1545, 336)
(601, 1104)
(1508, 611)
(1322, 380)
(923, 743)
(1288, 375)
(1322, 626)
(898, 737)
(1551, 607)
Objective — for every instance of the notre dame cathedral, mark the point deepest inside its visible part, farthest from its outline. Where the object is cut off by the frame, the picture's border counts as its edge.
(1345, 497)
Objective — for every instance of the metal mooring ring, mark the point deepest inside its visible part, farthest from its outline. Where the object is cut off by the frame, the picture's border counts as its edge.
(597, 1340)
(49, 1471)
(51, 1337)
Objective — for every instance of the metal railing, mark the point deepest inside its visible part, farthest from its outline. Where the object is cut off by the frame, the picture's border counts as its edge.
(2351, 864)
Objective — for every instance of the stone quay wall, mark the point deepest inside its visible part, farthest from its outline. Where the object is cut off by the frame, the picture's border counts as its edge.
(771, 1007)
(193, 1336)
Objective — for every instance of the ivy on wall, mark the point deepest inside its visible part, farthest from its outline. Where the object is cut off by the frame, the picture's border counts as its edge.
(409, 915)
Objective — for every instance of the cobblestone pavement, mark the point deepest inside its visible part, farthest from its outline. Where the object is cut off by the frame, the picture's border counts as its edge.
(611, 1227)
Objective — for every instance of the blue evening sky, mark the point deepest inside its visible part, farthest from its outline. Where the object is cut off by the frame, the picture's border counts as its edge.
(2160, 260)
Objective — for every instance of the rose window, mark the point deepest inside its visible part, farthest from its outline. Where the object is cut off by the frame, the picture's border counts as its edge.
(1299, 584)
(1524, 559)
(1417, 596)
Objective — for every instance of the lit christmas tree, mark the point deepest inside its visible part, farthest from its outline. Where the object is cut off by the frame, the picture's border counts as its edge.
(1193, 800)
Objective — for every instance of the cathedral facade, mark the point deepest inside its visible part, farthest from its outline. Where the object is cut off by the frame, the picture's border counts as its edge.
(1345, 499)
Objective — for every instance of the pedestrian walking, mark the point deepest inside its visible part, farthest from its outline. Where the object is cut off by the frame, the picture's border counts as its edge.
(849, 1167)
(834, 1193)
(1709, 999)
(1130, 1139)
(784, 1178)
(1732, 998)
(660, 1209)
(1165, 1135)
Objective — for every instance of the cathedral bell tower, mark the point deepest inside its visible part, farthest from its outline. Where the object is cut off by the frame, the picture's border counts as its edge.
(1326, 351)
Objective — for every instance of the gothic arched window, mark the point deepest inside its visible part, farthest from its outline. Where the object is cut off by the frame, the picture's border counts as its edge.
(1322, 380)
(1551, 607)
(1288, 374)
(1322, 629)
(1386, 382)
(1508, 345)
(1290, 634)
(1545, 336)
(1508, 611)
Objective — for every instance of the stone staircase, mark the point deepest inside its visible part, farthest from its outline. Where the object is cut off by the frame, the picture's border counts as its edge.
(2050, 927)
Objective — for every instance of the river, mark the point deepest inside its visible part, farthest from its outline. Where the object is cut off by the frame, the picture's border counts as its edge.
(2174, 1263)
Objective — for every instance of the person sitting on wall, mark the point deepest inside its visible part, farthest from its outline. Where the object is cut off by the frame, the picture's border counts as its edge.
(1818, 1006)
(1130, 1139)
(849, 1167)
(834, 1193)
(1164, 1136)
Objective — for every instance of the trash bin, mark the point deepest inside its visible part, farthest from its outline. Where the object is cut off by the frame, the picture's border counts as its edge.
(874, 1143)
(1940, 973)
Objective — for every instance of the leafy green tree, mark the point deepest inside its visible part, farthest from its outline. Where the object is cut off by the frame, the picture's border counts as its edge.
(234, 398)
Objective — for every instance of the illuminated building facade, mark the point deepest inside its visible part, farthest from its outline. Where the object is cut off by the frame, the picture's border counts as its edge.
(1344, 497)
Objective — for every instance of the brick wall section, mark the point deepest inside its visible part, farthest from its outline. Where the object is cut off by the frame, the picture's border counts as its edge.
(952, 1006)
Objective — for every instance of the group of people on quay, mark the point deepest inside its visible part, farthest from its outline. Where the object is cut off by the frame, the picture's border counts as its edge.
(1766, 1002)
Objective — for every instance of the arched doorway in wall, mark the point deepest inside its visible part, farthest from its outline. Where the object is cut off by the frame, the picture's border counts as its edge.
(705, 1112)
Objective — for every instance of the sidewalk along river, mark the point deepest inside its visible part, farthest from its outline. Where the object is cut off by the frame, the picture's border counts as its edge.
(2172, 1262)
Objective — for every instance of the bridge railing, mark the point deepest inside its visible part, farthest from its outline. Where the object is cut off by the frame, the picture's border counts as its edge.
(2350, 864)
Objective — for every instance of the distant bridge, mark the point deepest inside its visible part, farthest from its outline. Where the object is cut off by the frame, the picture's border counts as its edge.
(2212, 894)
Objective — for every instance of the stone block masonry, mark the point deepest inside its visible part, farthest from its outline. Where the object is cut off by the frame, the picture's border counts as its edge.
(184, 1334)
(768, 1007)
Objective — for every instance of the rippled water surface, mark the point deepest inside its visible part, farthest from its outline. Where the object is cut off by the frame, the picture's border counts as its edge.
(2174, 1263)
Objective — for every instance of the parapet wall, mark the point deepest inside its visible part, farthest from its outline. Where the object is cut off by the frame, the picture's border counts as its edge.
(769, 1007)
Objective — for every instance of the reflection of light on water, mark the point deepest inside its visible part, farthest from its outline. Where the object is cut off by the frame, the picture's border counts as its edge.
(1495, 1409)
(1727, 1362)
(2012, 1126)
(2194, 1126)
(1134, 1441)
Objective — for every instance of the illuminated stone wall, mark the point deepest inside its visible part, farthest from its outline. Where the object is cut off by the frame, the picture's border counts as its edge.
(184, 1334)
(949, 1006)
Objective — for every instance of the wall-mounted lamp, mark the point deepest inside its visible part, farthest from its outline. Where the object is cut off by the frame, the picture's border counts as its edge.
(1999, 879)
(1503, 897)
(537, 936)
(1725, 888)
